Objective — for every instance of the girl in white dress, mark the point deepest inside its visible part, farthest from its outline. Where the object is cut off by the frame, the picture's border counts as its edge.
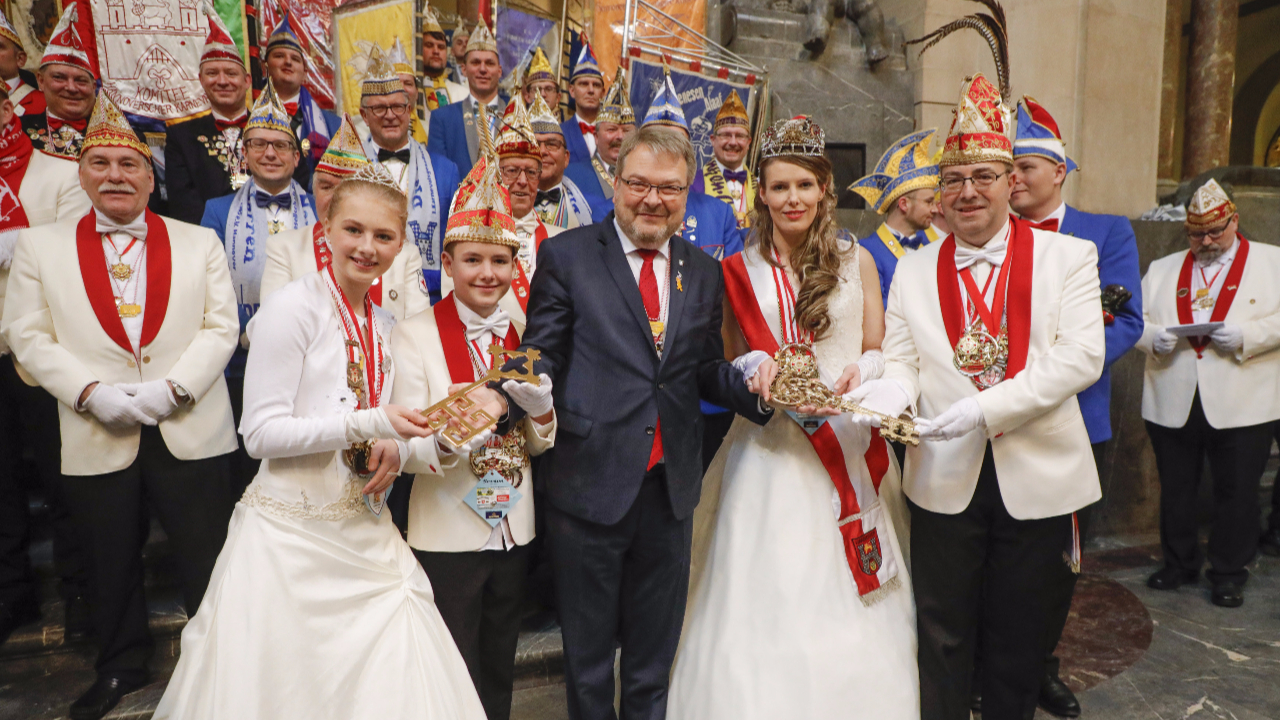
(801, 606)
(317, 608)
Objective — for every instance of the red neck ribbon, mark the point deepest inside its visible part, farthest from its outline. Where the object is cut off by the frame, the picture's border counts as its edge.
(97, 282)
(1225, 297)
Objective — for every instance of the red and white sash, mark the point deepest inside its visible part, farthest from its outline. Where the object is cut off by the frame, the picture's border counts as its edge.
(324, 258)
(97, 280)
(363, 349)
(15, 156)
(1222, 303)
(754, 293)
(520, 280)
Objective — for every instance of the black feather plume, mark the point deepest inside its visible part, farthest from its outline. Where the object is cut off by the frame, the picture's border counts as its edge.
(990, 27)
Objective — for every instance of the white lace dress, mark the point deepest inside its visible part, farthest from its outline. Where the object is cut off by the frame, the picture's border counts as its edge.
(776, 627)
(316, 609)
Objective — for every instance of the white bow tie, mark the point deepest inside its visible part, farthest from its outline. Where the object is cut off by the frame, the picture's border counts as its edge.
(497, 323)
(992, 253)
(137, 228)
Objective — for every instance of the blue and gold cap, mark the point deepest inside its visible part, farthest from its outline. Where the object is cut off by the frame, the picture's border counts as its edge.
(904, 167)
(284, 36)
(665, 109)
(586, 66)
(1038, 135)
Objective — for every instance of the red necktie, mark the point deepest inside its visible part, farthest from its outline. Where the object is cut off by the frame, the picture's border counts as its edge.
(55, 123)
(239, 122)
(587, 129)
(1051, 225)
(291, 108)
(652, 308)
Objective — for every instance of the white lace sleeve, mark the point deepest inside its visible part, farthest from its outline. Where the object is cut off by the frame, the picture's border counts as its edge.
(871, 365)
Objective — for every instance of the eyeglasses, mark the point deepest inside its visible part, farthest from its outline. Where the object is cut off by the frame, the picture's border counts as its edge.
(733, 135)
(982, 180)
(511, 174)
(551, 144)
(640, 188)
(260, 145)
(1214, 234)
(396, 109)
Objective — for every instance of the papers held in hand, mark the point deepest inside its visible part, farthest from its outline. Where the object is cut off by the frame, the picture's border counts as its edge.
(1193, 330)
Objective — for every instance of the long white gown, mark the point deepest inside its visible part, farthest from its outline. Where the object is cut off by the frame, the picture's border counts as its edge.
(776, 628)
(316, 608)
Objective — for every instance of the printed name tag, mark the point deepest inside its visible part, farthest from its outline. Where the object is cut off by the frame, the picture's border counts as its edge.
(809, 423)
(377, 501)
(493, 497)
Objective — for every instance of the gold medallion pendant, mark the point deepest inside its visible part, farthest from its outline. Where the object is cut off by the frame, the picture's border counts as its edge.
(506, 454)
(129, 310)
(981, 357)
(357, 458)
(121, 272)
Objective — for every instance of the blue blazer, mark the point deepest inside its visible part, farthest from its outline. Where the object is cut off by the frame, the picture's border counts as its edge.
(584, 176)
(217, 210)
(586, 317)
(447, 134)
(886, 262)
(574, 141)
(1117, 265)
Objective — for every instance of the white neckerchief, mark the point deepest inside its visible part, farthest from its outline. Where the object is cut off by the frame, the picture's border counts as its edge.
(1216, 273)
(983, 259)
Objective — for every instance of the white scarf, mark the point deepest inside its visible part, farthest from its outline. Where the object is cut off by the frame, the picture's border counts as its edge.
(246, 241)
(425, 226)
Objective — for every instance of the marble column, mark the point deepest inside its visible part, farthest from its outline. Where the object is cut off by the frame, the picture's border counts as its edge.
(1211, 70)
(1169, 87)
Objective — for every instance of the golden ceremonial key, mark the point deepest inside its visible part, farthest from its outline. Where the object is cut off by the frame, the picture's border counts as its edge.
(471, 419)
(797, 383)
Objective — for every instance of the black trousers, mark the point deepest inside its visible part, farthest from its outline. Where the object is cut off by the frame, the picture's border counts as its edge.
(1237, 459)
(480, 595)
(1273, 521)
(29, 427)
(982, 570)
(192, 501)
(625, 582)
(243, 467)
(1067, 587)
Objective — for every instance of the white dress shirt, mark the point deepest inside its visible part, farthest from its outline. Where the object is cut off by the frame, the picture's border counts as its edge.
(735, 187)
(133, 290)
(526, 228)
(660, 264)
(13, 82)
(590, 138)
(1059, 214)
(1215, 272)
(493, 109)
(398, 170)
(996, 250)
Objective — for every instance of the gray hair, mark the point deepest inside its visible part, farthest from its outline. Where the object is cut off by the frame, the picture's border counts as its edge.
(660, 142)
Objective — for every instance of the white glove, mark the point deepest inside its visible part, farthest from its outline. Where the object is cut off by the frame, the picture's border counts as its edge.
(750, 363)
(155, 398)
(887, 397)
(444, 447)
(962, 418)
(1228, 338)
(871, 365)
(1163, 342)
(535, 399)
(115, 409)
(370, 424)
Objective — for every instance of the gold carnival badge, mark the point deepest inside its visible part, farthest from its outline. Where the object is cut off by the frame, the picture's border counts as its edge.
(458, 418)
(798, 383)
(981, 357)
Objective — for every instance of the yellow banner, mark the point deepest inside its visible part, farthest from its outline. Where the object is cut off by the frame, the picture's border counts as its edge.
(355, 29)
(607, 27)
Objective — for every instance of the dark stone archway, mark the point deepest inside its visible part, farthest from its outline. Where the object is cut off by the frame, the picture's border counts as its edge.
(1247, 109)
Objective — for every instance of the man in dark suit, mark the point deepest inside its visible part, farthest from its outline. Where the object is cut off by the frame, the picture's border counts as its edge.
(453, 127)
(627, 316)
(204, 156)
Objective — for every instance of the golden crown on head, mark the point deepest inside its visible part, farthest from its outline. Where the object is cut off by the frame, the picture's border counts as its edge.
(799, 136)
(376, 174)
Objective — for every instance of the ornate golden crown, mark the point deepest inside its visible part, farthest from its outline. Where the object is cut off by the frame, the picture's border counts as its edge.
(798, 136)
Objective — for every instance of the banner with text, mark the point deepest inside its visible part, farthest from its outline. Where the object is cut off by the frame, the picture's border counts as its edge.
(149, 56)
(700, 98)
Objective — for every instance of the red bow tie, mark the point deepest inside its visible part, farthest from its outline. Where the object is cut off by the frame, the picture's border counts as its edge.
(55, 123)
(1051, 225)
(237, 123)
(291, 108)
(587, 128)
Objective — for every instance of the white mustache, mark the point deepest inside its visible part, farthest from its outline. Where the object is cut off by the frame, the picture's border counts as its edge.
(117, 187)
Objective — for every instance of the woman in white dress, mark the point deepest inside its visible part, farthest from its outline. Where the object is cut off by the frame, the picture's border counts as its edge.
(801, 606)
(317, 608)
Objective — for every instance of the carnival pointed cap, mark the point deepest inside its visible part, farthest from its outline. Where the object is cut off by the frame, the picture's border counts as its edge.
(66, 47)
(1210, 206)
(981, 129)
(430, 21)
(268, 113)
(1038, 135)
(7, 32)
(481, 39)
(380, 77)
(218, 44)
(108, 128)
(284, 37)
(906, 166)
(539, 68)
(398, 58)
(541, 119)
(516, 138)
(797, 137)
(586, 65)
(616, 106)
(345, 154)
(732, 112)
(665, 108)
(482, 209)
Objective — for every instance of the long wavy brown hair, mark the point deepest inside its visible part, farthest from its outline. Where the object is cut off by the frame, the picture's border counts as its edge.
(818, 260)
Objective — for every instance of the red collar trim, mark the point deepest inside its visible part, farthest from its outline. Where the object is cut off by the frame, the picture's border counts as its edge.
(453, 338)
(1230, 287)
(97, 282)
